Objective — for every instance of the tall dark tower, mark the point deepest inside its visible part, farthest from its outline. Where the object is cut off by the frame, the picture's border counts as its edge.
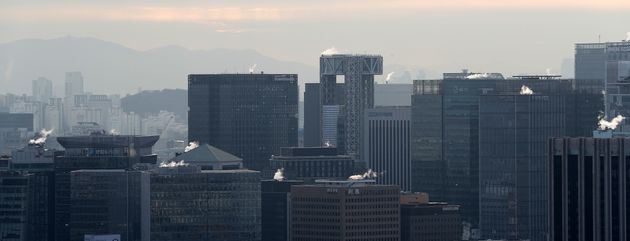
(358, 72)
(248, 115)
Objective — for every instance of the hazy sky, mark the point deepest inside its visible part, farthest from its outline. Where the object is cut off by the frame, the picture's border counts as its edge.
(514, 37)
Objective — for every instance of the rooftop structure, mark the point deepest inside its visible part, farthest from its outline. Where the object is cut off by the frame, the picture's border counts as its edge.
(209, 158)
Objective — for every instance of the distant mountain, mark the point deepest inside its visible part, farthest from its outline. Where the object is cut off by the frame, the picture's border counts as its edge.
(150, 102)
(115, 69)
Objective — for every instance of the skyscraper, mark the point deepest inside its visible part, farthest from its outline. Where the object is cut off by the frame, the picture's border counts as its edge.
(421, 220)
(386, 146)
(445, 138)
(608, 63)
(392, 94)
(74, 84)
(248, 115)
(588, 188)
(276, 209)
(42, 89)
(313, 112)
(358, 72)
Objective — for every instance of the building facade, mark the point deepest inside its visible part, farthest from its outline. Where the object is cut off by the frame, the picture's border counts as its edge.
(275, 201)
(96, 151)
(421, 220)
(386, 145)
(248, 115)
(312, 163)
(345, 210)
(313, 112)
(393, 94)
(109, 202)
(42, 89)
(588, 188)
(189, 204)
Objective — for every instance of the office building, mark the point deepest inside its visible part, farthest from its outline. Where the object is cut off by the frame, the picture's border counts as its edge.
(96, 151)
(312, 163)
(74, 84)
(421, 220)
(276, 209)
(32, 158)
(331, 124)
(15, 131)
(209, 158)
(112, 201)
(588, 188)
(445, 138)
(189, 204)
(345, 210)
(609, 64)
(386, 146)
(313, 112)
(42, 89)
(392, 94)
(358, 72)
(248, 115)
(25, 213)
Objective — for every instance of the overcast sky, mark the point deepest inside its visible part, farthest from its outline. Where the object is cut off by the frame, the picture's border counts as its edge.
(514, 37)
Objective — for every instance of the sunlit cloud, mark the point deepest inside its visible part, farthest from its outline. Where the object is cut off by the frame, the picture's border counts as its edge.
(277, 10)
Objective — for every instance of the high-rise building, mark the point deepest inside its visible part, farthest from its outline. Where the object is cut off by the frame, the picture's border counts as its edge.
(445, 138)
(609, 64)
(276, 209)
(331, 125)
(189, 204)
(113, 202)
(313, 112)
(421, 220)
(42, 89)
(345, 210)
(358, 72)
(588, 188)
(14, 131)
(392, 94)
(248, 115)
(312, 163)
(96, 151)
(386, 146)
(74, 84)
(25, 213)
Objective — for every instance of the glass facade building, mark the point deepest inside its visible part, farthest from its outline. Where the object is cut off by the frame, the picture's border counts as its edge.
(109, 202)
(188, 204)
(276, 209)
(248, 115)
(312, 163)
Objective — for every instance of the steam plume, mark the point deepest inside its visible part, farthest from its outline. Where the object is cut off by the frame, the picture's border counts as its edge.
(330, 51)
(279, 175)
(478, 76)
(174, 164)
(114, 132)
(610, 125)
(43, 135)
(628, 36)
(389, 76)
(252, 68)
(368, 174)
(192, 145)
(526, 90)
(548, 70)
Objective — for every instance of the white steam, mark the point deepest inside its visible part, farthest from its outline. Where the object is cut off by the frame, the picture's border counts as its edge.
(526, 90)
(389, 76)
(369, 174)
(628, 36)
(279, 175)
(192, 145)
(327, 144)
(174, 164)
(548, 71)
(330, 51)
(252, 68)
(114, 132)
(43, 135)
(610, 125)
(478, 76)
